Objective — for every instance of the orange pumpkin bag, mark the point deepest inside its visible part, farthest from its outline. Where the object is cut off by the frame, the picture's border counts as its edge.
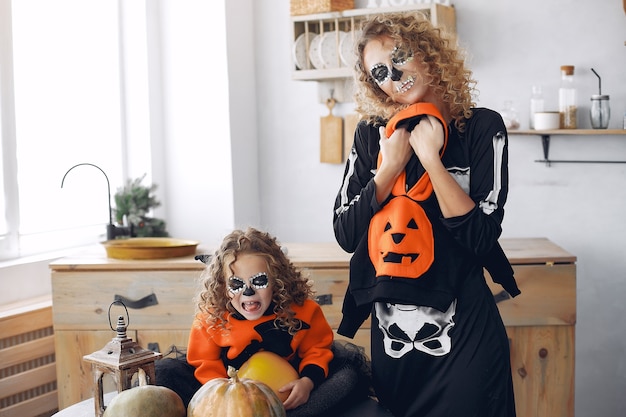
(400, 236)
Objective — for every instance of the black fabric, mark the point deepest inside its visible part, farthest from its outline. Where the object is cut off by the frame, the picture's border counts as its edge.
(348, 382)
(472, 380)
(501, 270)
(177, 375)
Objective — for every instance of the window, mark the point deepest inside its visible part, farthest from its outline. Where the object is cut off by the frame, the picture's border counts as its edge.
(62, 78)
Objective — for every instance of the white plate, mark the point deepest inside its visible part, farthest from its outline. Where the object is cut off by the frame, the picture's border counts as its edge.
(299, 50)
(314, 52)
(329, 48)
(346, 49)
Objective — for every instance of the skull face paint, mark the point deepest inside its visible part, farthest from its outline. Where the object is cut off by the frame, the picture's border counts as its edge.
(407, 327)
(399, 57)
(249, 287)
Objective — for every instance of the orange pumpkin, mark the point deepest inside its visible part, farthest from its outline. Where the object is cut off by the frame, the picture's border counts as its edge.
(232, 397)
(271, 369)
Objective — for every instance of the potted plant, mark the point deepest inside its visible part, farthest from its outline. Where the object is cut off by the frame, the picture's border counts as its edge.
(133, 202)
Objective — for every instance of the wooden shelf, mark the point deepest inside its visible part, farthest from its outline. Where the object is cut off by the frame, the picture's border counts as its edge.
(545, 142)
(322, 74)
(579, 132)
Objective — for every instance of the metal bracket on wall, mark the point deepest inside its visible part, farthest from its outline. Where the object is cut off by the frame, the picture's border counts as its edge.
(545, 142)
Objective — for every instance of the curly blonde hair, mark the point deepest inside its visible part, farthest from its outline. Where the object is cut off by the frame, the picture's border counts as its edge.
(446, 73)
(288, 284)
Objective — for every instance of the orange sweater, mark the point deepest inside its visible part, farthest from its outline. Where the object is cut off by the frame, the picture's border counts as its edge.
(211, 349)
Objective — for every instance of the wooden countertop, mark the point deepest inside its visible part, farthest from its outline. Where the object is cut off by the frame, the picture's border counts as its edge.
(303, 255)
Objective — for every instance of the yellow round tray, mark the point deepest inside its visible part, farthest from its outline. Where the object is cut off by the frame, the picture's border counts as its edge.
(149, 248)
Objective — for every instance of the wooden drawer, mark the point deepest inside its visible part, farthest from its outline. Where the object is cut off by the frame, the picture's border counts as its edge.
(548, 296)
(81, 300)
(330, 286)
(543, 369)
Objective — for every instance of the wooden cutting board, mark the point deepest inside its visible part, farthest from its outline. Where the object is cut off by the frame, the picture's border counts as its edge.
(349, 126)
(331, 132)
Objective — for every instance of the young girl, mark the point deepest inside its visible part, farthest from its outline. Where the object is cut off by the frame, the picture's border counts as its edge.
(420, 205)
(255, 299)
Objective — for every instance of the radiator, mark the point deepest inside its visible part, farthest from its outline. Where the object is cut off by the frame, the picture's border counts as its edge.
(28, 385)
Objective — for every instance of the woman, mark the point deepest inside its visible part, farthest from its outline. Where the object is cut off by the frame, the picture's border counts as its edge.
(421, 206)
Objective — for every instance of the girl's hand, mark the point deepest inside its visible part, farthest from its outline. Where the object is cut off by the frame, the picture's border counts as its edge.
(427, 140)
(300, 391)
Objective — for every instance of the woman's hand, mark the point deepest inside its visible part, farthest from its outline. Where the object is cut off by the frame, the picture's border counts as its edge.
(396, 152)
(300, 392)
(427, 140)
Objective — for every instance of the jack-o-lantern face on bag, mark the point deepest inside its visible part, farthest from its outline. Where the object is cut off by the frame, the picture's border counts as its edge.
(400, 239)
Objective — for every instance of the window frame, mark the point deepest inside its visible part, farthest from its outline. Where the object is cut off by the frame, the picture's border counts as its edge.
(134, 70)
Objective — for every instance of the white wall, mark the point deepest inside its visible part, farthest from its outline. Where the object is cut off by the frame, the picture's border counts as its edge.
(209, 127)
(512, 45)
(196, 149)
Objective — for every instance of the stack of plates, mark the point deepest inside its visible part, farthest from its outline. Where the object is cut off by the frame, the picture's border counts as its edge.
(332, 49)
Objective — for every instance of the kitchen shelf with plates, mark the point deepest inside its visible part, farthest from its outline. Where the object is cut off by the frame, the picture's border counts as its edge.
(323, 43)
(545, 142)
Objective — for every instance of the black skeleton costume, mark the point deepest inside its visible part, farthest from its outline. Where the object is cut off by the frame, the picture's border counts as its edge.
(440, 330)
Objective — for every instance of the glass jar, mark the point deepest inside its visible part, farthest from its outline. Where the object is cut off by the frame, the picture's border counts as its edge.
(536, 104)
(567, 98)
(600, 111)
(509, 115)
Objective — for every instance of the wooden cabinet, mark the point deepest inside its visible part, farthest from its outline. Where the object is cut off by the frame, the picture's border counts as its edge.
(540, 322)
(82, 292)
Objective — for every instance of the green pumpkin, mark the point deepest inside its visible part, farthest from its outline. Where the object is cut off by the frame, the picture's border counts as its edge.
(146, 401)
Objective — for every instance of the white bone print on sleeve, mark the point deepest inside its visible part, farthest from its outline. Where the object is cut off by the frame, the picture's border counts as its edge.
(490, 204)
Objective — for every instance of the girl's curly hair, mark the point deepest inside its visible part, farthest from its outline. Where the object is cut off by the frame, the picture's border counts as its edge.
(288, 284)
(446, 73)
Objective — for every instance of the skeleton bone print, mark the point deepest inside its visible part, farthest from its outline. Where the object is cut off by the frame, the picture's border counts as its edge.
(408, 327)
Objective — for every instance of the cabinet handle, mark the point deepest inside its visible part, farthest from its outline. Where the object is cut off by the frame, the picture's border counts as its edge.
(324, 299)
(147, 301)
(203, 258)
(501, 296)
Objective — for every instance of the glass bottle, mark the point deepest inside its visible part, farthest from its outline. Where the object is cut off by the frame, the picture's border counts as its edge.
(567, 98)
(536, 104)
